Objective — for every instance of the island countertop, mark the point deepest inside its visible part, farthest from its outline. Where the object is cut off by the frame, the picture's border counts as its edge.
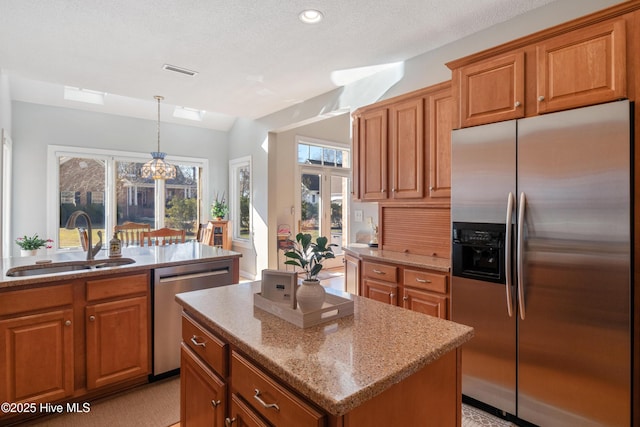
(146, 257)
(338, 365)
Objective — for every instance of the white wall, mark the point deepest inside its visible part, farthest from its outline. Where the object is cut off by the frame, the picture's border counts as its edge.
(37, 126)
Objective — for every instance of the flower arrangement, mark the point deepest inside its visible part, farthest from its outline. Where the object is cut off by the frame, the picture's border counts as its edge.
(219, 207)
(33, 243)
(309, 255)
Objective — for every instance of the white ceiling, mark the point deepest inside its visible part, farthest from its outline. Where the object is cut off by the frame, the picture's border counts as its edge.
(253, 57)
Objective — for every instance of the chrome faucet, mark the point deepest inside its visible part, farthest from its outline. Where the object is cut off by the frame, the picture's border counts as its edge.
(71, 223)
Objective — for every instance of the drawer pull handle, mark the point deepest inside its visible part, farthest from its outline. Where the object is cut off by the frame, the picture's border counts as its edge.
(215, 403)
(197, 343)
(228, 421)
(419, 280)
(263, 403)
(378, 271)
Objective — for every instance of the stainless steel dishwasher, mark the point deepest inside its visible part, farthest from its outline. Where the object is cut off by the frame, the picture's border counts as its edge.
(167, 282)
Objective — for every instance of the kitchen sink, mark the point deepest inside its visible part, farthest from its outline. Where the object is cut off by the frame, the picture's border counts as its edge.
(63, 267)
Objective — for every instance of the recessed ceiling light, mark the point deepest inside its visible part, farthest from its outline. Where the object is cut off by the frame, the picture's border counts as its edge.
(311, 16)
(84, 95)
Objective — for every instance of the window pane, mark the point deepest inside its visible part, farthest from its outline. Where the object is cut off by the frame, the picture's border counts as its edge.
(315, 155)
(82, 187)
(244, 220)
(134, 195)
(181, 195)
(303, 153)
(310, 204)
(339, 196)
(329, 157)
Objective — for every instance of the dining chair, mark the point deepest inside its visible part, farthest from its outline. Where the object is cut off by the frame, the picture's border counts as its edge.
(162, 236)
(207, 234)
(130, 233)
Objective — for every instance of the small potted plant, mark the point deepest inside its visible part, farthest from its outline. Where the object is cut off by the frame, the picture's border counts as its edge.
(309, 256)
(219, 208)
(30, 245)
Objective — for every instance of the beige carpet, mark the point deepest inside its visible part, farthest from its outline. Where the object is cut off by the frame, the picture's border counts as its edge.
(152, 405)
(158, 405)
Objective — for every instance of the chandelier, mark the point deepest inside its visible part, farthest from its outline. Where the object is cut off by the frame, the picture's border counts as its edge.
(157, 168)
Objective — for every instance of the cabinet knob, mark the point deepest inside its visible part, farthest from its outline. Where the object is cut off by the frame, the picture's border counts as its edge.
(228, 421)
(67, 323)
(405, 298)
(431, 188)
(517, 104)
(393, 190)
(541, 98)
(391, 295)
(92, 318)
(215, 403)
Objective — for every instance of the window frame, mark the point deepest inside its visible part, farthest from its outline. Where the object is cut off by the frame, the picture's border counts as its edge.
(234, 200)
(110, 157)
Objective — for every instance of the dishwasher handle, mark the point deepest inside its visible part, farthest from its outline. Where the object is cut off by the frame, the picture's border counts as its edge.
(180, 277)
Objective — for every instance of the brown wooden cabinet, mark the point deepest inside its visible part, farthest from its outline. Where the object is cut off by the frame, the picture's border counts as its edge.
(380, 282)
(402, 146)
(218, 234)
(352, 274)
(565, 67)
(37, 355)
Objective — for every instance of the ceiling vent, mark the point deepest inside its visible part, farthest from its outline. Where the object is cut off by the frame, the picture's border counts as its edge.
(177, 69)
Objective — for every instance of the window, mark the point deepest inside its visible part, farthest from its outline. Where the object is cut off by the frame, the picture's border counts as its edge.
(324, 170)
(240, 202)
(108, 187)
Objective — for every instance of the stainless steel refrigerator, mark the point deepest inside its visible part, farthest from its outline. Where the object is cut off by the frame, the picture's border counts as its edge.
(541, 264)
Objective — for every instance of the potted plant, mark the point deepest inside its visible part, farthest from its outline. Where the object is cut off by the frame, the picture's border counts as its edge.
(30, 245)
(309, 256)
(219, 208)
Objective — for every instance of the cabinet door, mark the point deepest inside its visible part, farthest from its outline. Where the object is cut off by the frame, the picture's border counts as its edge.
(407, 149)
(36, 358)
(380, 291)
(352, 274)
(373, 155)
(202, 393)
(582, 67)
(492, 90)
(117, 341)
(355, 156)
(242, 415)
(425, 302)
(440, 122)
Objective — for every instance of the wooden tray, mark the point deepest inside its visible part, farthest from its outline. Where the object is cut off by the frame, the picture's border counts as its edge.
(334, 307)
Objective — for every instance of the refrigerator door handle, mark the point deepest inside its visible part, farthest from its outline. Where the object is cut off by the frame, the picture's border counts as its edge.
(507, 254)
(520, 255)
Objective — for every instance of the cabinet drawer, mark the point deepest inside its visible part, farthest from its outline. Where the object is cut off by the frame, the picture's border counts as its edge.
(373, 270)
(210, 348)
(25, 300)
(117, 286)
(262, 393)
(424, 280)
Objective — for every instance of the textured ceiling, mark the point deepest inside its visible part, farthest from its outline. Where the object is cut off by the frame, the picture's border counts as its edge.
(253, 57)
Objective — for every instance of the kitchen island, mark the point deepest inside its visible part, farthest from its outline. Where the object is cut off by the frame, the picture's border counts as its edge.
(382, 366)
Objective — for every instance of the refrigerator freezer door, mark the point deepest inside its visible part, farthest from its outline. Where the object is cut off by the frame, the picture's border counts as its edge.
(574, 342)
(483, 162)
(483, 175)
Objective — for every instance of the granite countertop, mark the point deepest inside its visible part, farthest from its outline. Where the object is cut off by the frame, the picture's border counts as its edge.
(146, 257)
(412, 260)
(339, 364)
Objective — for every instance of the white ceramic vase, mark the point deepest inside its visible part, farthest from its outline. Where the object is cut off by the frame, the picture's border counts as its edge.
(310, 295)
(28, 252)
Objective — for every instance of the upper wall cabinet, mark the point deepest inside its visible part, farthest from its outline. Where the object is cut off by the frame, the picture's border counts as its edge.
(565, 67)
(402, 147)
(582, 67)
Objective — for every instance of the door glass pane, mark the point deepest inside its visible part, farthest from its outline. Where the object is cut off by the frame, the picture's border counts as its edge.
(134, 195)
(82, 187)
(310, 204)
(339, 215)
(244, 187)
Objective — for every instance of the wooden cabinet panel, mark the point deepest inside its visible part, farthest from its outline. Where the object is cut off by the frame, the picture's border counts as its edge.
(269, 398)
(426, 280)
(202, 393)
(492, 90)
(373, 152)
(117, 286)
(36, 358)
(380, 291)
(352, 274)
(117, 341)
(407, 149)
(242, 415)
(440, 122)
(583, 67)
(355, 156)
(425, 302)
(377, 271)
(211, 349)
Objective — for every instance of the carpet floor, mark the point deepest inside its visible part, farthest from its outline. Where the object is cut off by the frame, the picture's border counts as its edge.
(158, 405)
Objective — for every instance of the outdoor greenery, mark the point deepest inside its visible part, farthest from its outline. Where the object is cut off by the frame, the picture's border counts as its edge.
(180, 213)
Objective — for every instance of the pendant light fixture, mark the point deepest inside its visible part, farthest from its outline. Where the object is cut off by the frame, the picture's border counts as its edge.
(157, 168)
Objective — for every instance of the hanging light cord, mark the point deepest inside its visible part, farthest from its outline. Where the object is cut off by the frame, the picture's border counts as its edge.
(159, 98)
